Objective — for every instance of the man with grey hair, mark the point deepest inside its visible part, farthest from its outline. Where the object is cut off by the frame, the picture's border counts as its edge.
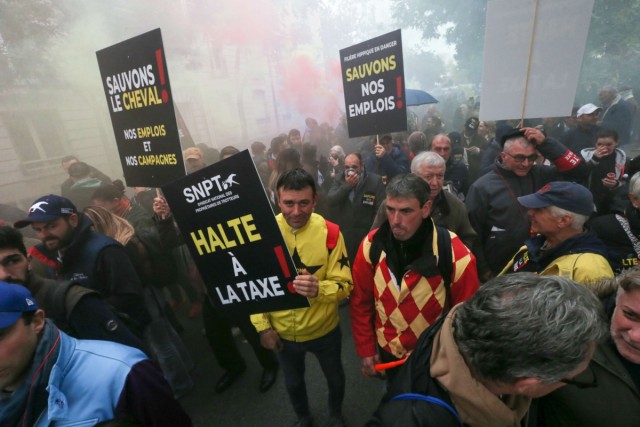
(406, 274)
(616, 115)
(519, 337)
(558, 212)
(501, 222)
(446, 209)
(615, 368)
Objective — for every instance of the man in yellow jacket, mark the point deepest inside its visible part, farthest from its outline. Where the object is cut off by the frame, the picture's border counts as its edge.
(558, 212)
(324, 277)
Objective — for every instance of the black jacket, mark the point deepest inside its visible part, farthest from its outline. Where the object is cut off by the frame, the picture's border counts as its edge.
(354, 215)
(97, 262)
(610, 231)
(501, 222)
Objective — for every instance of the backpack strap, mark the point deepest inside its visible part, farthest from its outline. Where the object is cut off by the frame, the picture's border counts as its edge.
(624, 223)
(429, 399)
(333, 233)
(414, 386)
(445, 263)
(57, 301)
(445, 259)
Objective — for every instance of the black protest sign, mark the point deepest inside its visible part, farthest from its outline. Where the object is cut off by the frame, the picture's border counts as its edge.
(373, 81)
(229, 227)
(136, 84)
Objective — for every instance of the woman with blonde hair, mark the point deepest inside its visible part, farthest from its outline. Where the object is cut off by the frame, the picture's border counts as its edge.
(166, 346)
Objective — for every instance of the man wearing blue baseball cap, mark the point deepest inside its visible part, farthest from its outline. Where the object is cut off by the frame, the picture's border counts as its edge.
(562, 247)
(71, 250)
(47, 377)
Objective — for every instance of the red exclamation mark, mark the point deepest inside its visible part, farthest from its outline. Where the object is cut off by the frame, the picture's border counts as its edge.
(165, 94)
(399, 102)
(284, 267)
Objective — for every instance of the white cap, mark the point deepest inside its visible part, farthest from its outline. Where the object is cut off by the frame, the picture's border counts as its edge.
(587, 109)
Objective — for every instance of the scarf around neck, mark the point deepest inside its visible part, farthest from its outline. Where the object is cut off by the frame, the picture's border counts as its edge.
(23, 407)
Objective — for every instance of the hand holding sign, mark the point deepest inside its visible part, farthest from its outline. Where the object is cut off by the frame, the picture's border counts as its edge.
(380, 151)
(161, 207)
(306, 284)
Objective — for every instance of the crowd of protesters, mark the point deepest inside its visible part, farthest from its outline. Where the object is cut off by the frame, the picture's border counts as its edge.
(483, 263)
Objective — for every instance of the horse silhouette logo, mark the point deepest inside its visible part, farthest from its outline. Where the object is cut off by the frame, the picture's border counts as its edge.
(229, 182)
(37, 207)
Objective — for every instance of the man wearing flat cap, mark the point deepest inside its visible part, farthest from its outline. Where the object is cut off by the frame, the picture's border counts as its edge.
(558, 212)
(501, 222)
(48, 378)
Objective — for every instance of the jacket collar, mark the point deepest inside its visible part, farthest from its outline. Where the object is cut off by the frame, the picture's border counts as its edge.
(476, 404)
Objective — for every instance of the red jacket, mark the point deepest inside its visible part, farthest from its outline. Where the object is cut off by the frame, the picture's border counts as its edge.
(394, 318)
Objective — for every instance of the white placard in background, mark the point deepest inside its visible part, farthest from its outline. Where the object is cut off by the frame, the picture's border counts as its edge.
(561, 30)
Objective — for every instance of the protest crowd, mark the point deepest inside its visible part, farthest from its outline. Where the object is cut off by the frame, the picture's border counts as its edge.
(489, 268)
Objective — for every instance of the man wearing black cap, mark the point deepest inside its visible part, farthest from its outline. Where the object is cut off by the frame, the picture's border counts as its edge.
(558, 212)
(70, 250)
(501, 222)
(48, 378)
(473, 145)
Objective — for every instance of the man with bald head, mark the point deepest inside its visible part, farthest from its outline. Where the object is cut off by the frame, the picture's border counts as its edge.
(457, 172)
(616, 114)
(354, 199)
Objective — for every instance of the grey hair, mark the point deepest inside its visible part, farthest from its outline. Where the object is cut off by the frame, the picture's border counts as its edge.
(428, 159)
(409, 185)
(339, 150)
(629, 280)
(578, 219)
(634, 184)
(519, 139)
(522, 325)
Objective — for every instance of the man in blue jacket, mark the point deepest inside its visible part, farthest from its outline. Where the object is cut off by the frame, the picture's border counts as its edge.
(387, 159)
(48, 378)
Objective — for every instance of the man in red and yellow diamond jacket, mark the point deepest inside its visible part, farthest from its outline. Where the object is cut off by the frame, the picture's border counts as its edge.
(398, 286)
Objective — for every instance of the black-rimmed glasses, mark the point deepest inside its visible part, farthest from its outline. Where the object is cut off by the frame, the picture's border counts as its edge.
(519, 158)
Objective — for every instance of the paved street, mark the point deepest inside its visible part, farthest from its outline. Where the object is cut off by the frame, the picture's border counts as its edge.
(244, 406)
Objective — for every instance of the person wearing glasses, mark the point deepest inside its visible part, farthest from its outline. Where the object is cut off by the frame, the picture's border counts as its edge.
(608, 393)
(501, 222)
(520, 337)
(561, 247)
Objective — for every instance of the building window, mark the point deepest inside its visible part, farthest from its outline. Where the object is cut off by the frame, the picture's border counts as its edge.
(37, 138)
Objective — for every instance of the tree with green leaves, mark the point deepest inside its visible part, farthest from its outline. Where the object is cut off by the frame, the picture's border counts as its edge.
(612, 53)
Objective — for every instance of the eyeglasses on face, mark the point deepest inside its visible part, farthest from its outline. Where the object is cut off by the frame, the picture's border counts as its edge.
(589, 380)
(519, 158)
